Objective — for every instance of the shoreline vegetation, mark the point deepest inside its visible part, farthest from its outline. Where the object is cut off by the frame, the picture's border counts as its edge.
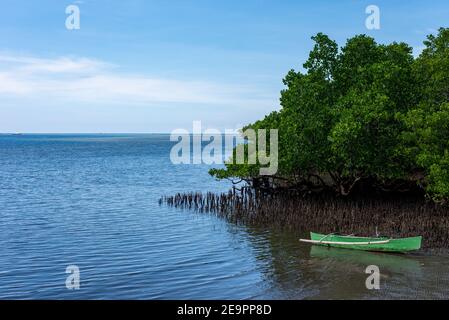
(363, 144)
(393, 215)
(364, 115)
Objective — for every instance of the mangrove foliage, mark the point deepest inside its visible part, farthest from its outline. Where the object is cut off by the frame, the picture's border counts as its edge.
(366, 116)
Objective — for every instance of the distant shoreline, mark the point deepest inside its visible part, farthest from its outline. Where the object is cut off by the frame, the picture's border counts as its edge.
(93, 133)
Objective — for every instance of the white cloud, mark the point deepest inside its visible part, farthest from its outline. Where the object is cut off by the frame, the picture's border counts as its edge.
(88, 80)
(58, 65)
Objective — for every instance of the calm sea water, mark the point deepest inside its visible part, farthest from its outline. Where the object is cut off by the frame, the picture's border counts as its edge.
(92, 201)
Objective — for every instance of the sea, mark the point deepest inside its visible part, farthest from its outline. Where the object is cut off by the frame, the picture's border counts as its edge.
(80, 218)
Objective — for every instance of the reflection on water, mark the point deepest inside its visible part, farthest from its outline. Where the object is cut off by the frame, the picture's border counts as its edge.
(92, 201)
(385, 261)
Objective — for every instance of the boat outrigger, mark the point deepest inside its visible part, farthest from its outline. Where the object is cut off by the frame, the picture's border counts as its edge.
(383, 244)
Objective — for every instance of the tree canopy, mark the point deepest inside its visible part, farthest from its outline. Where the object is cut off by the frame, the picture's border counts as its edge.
(365, 113)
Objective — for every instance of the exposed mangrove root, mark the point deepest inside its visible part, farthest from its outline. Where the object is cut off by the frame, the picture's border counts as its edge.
(396, 217)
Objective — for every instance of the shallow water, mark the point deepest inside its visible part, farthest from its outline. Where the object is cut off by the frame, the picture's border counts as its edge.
(92, 201)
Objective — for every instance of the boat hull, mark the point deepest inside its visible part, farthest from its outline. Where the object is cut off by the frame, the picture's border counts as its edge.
(393, 245)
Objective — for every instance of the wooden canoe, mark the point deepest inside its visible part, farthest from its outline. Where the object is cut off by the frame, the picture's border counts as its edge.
(383, 244)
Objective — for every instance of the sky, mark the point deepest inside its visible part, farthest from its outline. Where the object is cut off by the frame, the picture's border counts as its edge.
(141, 66)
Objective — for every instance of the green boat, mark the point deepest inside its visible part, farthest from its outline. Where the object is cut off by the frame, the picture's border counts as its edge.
(383, 244)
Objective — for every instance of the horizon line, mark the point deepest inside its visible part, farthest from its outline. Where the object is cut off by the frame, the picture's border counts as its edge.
(98, 133)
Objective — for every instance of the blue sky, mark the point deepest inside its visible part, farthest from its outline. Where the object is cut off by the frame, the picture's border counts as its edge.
(154, 66)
